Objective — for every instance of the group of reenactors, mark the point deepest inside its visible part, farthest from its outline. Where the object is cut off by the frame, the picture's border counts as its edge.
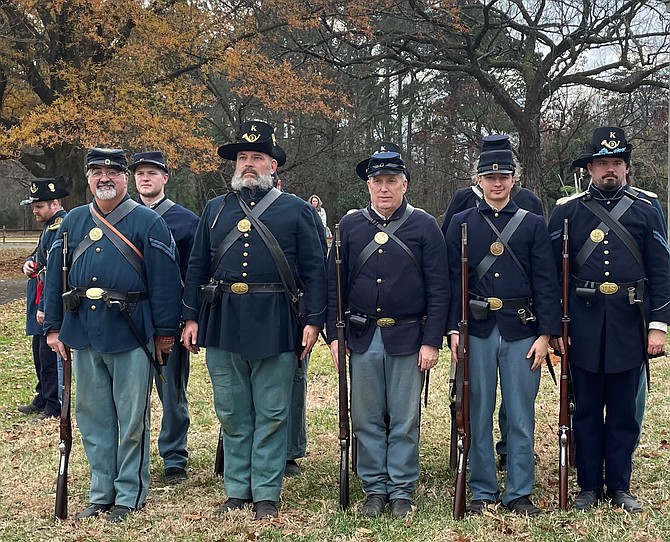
(252, 282)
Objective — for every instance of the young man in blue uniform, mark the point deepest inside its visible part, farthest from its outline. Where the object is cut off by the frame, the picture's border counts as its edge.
(122, 303)
(471, 196)
(249, 244)
(514, 307)
(396, 292)
(619, 310)
(151, 174)
(45, 201)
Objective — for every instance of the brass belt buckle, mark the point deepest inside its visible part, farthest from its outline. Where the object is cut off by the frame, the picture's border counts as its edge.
(94, 293)
(239, 288)
(495, 303)
(385, 322)
(608, 288)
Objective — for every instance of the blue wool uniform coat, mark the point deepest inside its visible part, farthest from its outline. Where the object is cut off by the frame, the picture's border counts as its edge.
(255, 325)
(607, 336)
(389, 285)
(47, 239)
(470, 196)
(504, 280)
(183, 224)
(101, 265)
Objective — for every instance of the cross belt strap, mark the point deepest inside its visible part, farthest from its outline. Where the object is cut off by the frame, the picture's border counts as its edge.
(115, 216)
(373, 245)
(504, 237)
(235, 234)
(164, 206)
(609, 221)
(127, 249)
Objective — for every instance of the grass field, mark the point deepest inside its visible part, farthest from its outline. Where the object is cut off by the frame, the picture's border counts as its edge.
(309, 509)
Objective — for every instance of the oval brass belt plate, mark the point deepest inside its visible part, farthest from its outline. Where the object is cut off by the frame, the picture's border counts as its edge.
(94, 293)
(385, 322)
(495, 303)
(608, 288)
(239, 288)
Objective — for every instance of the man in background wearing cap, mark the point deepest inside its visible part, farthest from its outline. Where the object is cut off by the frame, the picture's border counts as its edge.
(396, 292)
(468, 197)
(122, 305)
(45, 202)
(513, 309)
(151, 175)
(261, 240)
(619, 310)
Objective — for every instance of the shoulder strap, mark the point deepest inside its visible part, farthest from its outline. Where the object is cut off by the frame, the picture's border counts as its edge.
(373, 245)
(164, 206)
(285, 273)
(124, 245)
(234, 234)
(609, 222)
(115, 216)
(504, 237)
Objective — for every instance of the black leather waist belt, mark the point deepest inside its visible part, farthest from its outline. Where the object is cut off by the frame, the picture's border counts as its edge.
(496, 304)
(97, 293)
(241, 288)
(607, 288)
(392, 322)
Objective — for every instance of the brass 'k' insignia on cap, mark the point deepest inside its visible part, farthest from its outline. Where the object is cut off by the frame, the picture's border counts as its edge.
(382, 148)
(253, 128)
(33, 188)
(52, 187)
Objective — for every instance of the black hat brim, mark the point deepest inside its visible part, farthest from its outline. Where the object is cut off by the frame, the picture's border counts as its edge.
(105, 162)
(362, 170)
(230, 150)
(132, 167)
(586, 158)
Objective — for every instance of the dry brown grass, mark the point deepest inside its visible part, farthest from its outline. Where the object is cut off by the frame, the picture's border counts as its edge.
(29, 455)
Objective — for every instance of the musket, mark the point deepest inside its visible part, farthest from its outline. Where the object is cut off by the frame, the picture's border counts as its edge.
(462, 385)
(565, 436)
(344, 433)
(65, 438)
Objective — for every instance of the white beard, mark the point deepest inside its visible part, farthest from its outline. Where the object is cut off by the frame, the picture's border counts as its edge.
(263, 182)
(105, 193)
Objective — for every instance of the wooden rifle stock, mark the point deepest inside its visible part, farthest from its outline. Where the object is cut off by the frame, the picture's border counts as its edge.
(462, 386)
(565, 437)
(65, 438)
(344, 433)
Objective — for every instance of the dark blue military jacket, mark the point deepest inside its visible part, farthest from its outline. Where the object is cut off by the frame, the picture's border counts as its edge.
(389, 284)
(255, 325)
(470, 196)
(183, 224)
(47, 238)
(504, 280)
(607, 336)
(103, 266)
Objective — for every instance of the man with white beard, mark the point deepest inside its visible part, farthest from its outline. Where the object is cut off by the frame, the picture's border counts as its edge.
(122, 308)
(241, 304)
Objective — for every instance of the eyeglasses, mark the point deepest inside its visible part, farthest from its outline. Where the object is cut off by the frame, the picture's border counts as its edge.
(111, 173)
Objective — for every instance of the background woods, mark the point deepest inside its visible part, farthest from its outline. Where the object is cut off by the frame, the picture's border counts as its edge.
(333, 76)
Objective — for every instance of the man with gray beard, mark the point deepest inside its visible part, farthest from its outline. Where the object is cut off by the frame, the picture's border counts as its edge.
(122, 301)
(254, 248)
